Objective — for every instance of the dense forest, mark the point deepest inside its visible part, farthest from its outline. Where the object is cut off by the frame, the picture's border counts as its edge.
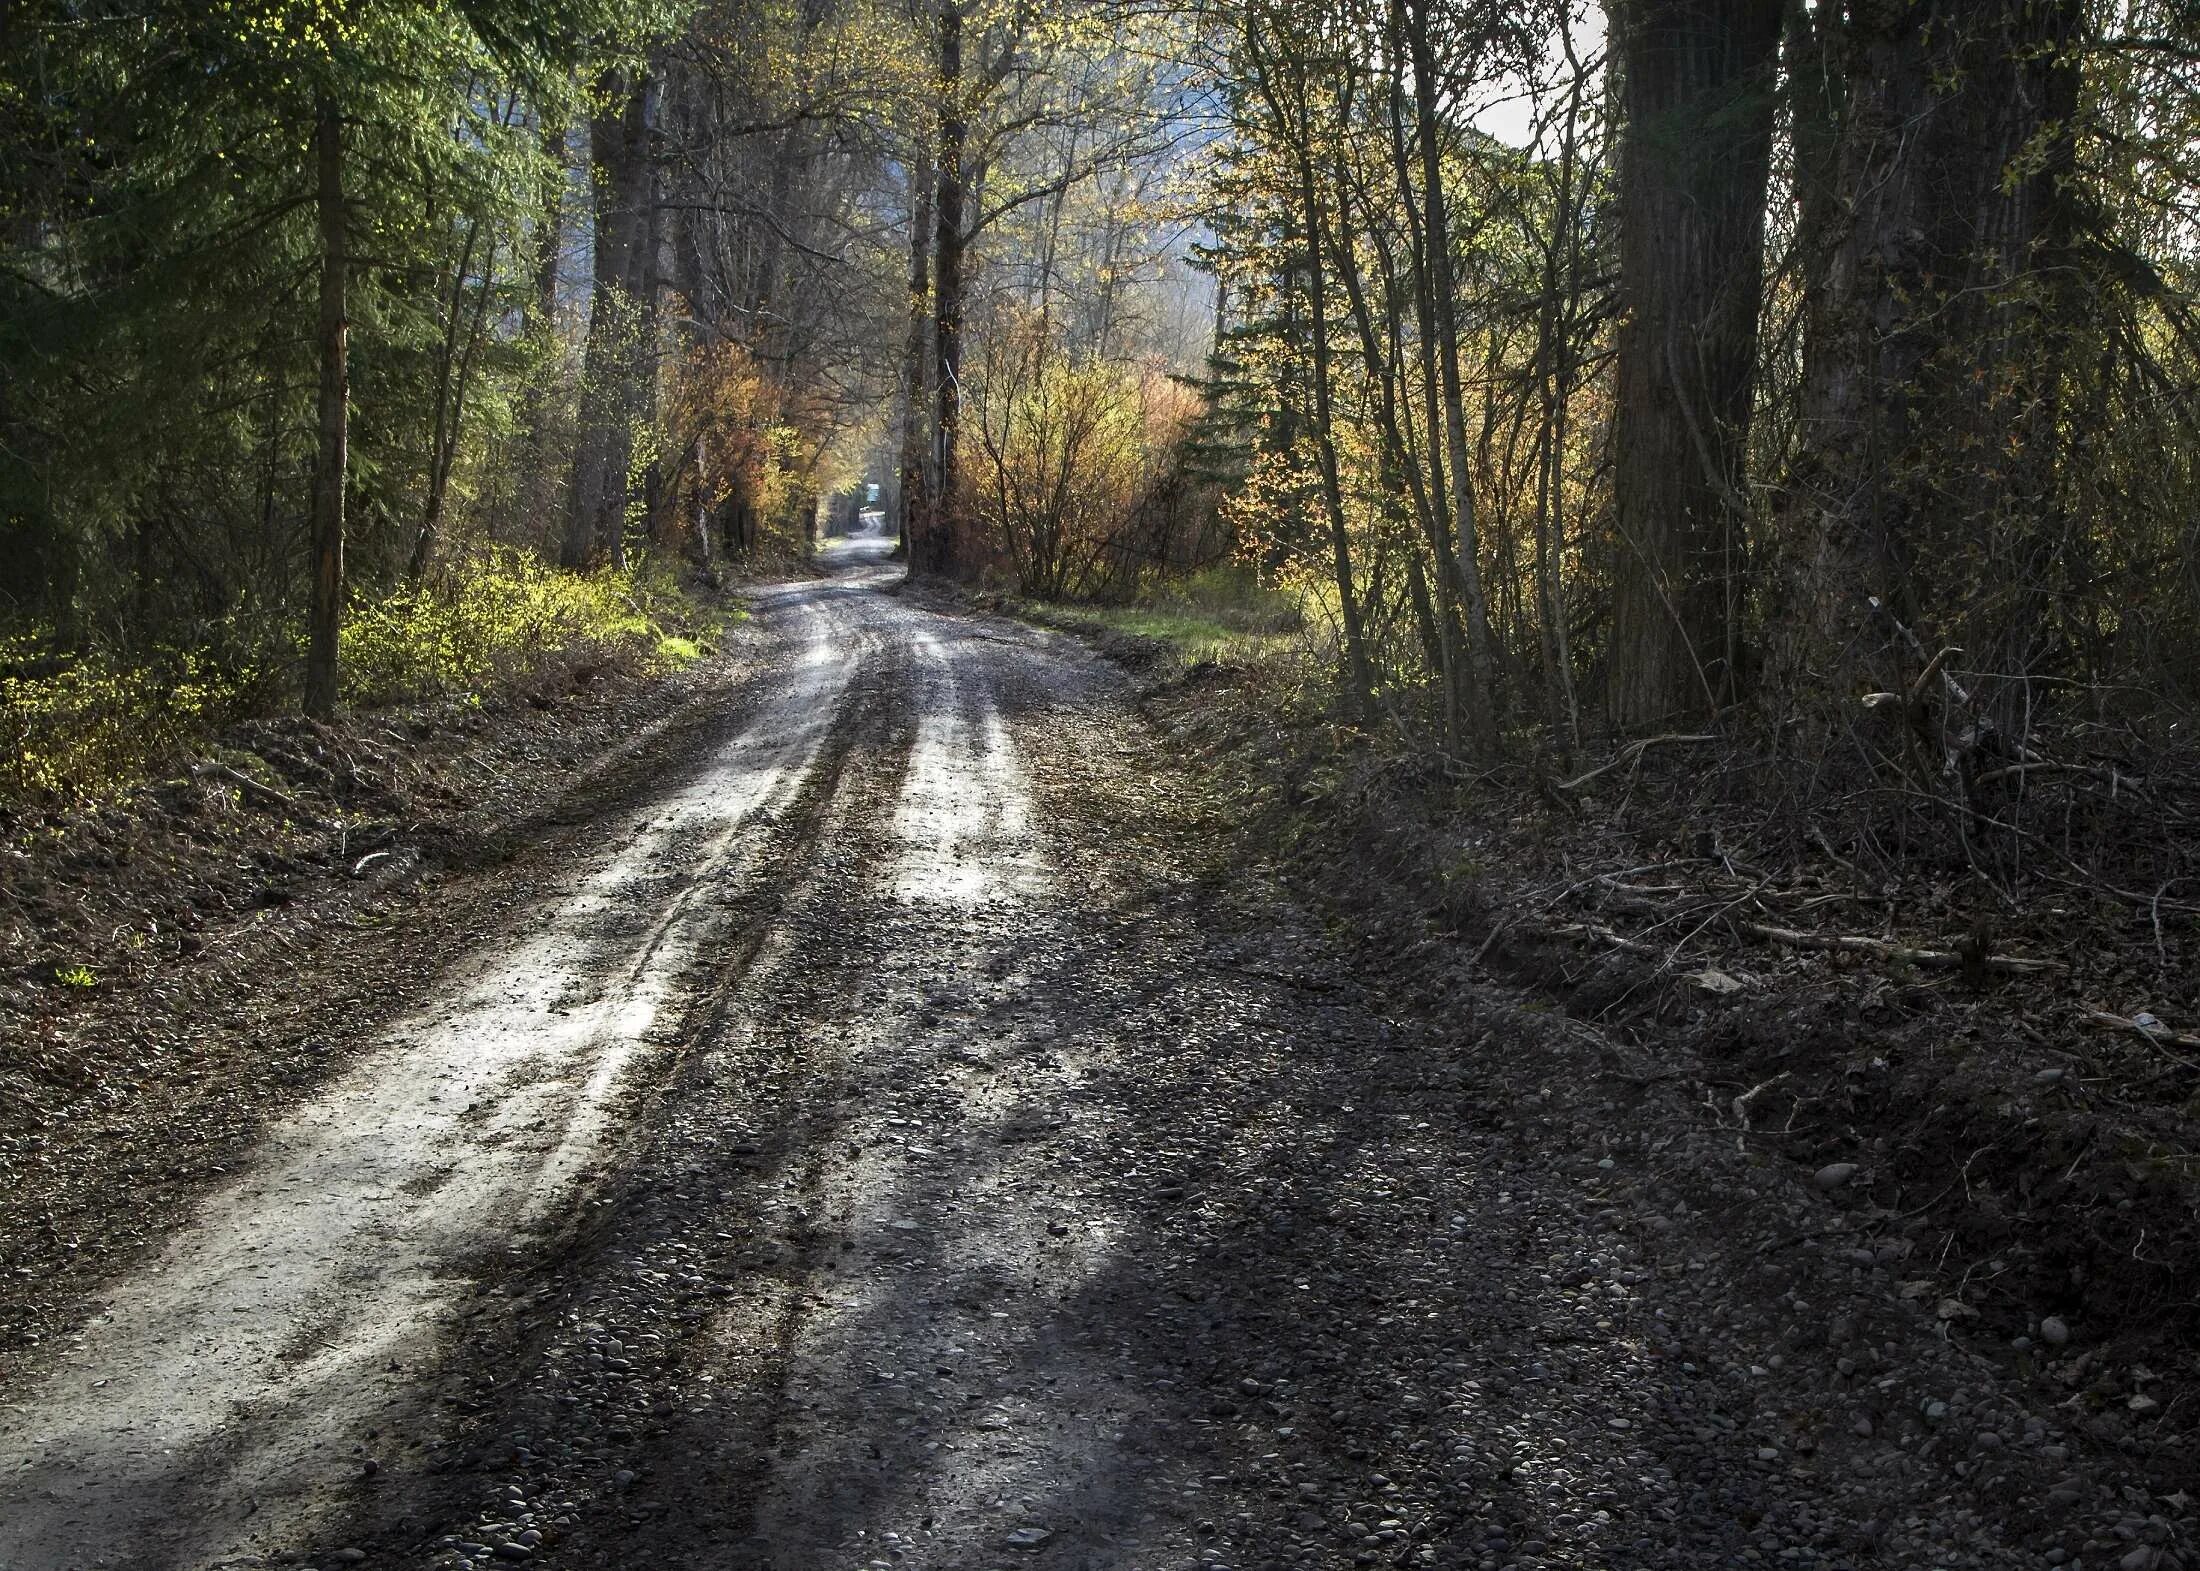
(1813, 372)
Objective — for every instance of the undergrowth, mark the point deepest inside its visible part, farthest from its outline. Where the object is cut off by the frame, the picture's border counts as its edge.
(502, 613)
(1223, 615)
(79, 726)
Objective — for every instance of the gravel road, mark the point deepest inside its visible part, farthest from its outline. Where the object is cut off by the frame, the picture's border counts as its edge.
(912, 1140)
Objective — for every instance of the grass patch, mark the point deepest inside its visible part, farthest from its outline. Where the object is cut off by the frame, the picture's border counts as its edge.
(1193, 635)
(675, 652)
(1226, 615)
(498, 614)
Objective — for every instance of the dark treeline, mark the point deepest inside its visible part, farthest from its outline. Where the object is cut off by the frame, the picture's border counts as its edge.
(302, 301)
(1824, 369)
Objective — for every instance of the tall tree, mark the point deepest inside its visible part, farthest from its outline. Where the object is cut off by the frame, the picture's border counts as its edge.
(1283, 59)
(1697, 79)
(1929, 420)
(1440, 329)
(325, 608)
(620, 358)
(913, 497)
(934, 547)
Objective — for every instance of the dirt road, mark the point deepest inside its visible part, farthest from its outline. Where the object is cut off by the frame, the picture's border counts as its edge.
(906, 1143)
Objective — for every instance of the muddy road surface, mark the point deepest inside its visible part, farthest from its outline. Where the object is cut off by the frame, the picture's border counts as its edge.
(910, 1140)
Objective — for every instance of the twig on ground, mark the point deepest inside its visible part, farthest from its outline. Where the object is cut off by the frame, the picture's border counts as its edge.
(1885, 949)
(1606, 935)
(2116, 778)
(261, 792)
(2159, 1035)
(1632, 752)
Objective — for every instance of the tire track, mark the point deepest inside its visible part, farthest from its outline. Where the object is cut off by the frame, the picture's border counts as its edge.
(219, 1397)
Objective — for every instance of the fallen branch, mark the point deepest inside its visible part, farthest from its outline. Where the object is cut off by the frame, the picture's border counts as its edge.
(262, 792)
(2117, 779)
(1884, 949)
(2160, 1035)
(1607, 936)
(1632, 752)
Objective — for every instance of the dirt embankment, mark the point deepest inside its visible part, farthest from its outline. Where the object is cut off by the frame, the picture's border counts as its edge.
(1997, 1098)
(187, 960)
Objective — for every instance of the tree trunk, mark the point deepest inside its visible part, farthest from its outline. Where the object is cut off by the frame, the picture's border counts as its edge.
(452, 371)
(1466, 565)
(330, 462)
(1698, 88)
(1927, 460)
(913, 503)
(617, 356)
(1442, 536)
(550, 230)
(1401, 475)
(1280, 75)
(1359, 679)
(645, 283)
(939, 545)
(539, 407)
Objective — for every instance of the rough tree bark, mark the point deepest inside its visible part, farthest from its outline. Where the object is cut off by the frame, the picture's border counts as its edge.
(331, 459)
(1698, 84)
(1930, 397)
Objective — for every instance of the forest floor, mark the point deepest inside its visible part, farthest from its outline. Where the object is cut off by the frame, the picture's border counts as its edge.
(867, 1104)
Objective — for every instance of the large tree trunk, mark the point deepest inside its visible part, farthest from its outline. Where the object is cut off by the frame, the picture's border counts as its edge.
(939, 542)
(1927, 463)
(331, 460)
(617, 360)
(1698, 80)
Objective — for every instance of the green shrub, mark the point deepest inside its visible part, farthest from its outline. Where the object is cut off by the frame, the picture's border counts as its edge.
(1232, 594)
(80, 723)
(497, 614)
(76, 726)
